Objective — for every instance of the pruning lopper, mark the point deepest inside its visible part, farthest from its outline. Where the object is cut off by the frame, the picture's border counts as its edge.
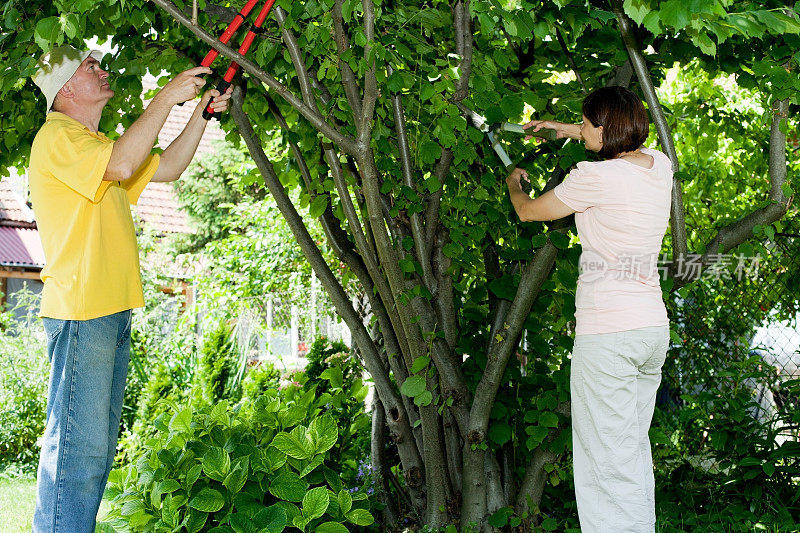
(237, 21)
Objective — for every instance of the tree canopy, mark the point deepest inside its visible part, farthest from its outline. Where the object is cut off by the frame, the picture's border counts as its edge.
(364, 98)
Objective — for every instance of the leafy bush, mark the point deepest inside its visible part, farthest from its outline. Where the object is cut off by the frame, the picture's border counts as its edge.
(336, 375)
(24, 371)
(219, 366)
(260, 466)
(723, 453)
(259, 379)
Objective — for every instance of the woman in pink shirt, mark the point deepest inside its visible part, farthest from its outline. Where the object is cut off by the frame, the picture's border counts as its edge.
(621, 205)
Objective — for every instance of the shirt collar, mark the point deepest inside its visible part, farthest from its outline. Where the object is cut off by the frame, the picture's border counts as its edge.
(57, 115)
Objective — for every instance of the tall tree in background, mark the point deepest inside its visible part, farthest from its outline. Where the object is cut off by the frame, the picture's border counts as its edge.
(365, 95)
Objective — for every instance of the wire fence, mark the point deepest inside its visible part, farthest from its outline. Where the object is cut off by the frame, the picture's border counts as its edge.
(281, 329)
(734, 315)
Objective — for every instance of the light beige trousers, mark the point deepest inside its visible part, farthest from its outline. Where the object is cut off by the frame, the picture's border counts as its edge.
(614, 379)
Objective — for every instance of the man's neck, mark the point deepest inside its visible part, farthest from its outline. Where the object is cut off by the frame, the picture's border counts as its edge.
(88, 117)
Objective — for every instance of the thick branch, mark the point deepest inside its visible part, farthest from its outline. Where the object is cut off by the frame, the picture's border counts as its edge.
(311, 114)
(380, 465)
(732, 235)
(370, 81)
(462, 23)
(677, 215)
(417, 229)
(398, 419)
(432, 209)
(351, 89)
(534, 275)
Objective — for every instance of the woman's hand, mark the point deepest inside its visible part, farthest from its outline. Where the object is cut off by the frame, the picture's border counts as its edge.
(514, 180)
(573, 131)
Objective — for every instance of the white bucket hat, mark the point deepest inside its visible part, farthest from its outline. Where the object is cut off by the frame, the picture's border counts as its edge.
(57, 66)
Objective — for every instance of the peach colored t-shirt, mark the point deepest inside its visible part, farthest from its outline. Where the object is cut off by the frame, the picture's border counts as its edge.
(621, 212)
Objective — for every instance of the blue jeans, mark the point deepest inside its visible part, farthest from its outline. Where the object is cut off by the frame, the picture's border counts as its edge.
(89, 365)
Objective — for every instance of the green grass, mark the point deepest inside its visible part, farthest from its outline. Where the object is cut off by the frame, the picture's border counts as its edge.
(17, 499)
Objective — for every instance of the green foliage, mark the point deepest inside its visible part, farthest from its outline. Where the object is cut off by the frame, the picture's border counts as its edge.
(259, 379)
(519, 71)
(209, 191)
(24, 371)
(325, 354)
(727, 451)
(219, 366)
(335, 373)
(261, 466)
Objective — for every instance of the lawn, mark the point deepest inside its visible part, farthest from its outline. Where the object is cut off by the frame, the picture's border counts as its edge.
(17, 499)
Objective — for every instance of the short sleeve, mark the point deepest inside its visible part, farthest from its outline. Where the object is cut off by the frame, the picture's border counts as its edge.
(136, 183)
(581, 189)
(79, 160)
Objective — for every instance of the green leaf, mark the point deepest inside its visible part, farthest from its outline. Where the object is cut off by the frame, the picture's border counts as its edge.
(324, 433)
(360, 517)
(706, 45)
(236, 479)
(345, 501)
(330, 527)
(318, 206)
(413, 386)
(636, 10)
(503, 287)
(181, 421)
(675, 13)
(272, 519)
(207, 500)
(241, 523)
(216, 463)
(288, 486)
(429, 152)
(500, 517)
(315, 502)
(292, 445)
(314, 463)
(420, 363)
(550, 524)
(424, 399)
(48, 30)
(334, 375)
(537, 435)
(500, 433)
(512, 106)
(548, 420)
(559, 240)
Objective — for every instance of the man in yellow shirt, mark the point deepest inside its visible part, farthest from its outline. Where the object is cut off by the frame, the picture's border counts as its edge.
(81, 186)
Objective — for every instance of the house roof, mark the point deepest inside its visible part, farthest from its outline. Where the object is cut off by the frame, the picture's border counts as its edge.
(13, 210)
(20, 247)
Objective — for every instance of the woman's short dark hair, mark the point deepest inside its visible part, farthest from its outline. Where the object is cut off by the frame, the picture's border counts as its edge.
(623, 117)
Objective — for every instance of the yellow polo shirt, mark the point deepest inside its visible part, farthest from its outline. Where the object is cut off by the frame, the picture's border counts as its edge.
(85, 224)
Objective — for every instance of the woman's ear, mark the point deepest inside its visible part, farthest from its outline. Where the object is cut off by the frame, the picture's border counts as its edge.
(600, 134)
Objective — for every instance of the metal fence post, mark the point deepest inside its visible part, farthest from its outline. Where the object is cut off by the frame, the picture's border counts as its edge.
(295, 333)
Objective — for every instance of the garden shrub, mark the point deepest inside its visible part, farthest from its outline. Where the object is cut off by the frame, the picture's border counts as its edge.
(260, 466)
(337, 376)
(715, 457)
(261, 377)
(24, 371)
(219, 366)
